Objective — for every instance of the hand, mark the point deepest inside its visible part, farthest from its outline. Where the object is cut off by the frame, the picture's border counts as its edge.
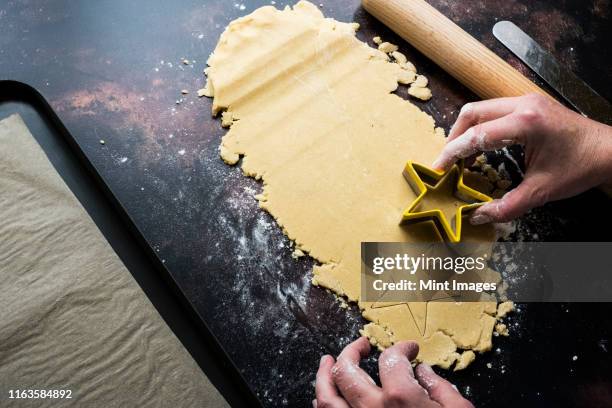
(565, 153)
(344, 384)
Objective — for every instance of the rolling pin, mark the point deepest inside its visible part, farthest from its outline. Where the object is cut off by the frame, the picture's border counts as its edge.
(454, 50)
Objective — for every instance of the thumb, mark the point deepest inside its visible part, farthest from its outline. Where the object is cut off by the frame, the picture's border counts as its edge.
(529, 194)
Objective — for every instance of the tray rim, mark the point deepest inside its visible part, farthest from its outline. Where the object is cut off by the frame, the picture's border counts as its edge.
(17, 91)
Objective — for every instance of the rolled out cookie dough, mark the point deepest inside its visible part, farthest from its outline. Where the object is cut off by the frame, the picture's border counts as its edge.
(314, 117)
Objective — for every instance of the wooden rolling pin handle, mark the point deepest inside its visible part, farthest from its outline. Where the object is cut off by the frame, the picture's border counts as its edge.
(457, 52)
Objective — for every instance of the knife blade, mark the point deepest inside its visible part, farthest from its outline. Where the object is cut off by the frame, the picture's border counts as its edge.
(573, 89)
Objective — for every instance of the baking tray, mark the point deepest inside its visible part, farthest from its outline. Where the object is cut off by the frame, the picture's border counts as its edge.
(274, 325)
(125, 238)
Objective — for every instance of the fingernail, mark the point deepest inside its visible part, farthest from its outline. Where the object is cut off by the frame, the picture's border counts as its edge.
(465, 108)
(437, 164)
(427, 368)
(427, 376)
(322, 359)
(480, 219)
(314, 403)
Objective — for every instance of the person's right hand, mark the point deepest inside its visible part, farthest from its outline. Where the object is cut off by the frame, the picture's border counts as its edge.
(565, 153)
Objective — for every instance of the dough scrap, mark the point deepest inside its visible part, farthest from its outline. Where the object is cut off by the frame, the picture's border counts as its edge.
(419, 89)
(377, 335)
(387, 47)
(408, 66)
(501, 329)
(399, 57)
(406, 77)
(421, 81)
(227, 118)
(419, 92)
(504, 308)
(297, 253)
(315, 118)
(466, 358)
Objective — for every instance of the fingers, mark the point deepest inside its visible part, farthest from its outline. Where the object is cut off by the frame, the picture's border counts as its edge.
(400, 388)
(483, 111)
(355, 351)
(439, 389)
(355, 385)
(394, 364)
(325, 390)
(487, 136)
(529, 194)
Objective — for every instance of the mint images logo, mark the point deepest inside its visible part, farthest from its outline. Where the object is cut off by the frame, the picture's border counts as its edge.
(424, 272)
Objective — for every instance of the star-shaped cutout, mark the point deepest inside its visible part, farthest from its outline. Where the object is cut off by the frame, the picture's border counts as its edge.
(441, 197)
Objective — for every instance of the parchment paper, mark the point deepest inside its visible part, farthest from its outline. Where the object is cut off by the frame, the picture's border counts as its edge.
(71, 315)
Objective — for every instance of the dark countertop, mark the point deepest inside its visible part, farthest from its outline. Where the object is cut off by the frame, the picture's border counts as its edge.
(112, 70)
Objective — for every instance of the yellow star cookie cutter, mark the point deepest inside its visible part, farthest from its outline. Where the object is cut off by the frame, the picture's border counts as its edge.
(437, 187)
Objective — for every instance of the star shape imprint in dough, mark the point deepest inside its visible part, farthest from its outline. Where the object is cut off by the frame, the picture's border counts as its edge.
(441, 197)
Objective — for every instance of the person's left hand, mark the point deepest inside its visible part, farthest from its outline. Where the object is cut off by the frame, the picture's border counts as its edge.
(343, 384)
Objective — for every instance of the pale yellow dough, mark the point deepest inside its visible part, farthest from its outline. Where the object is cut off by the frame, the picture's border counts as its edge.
(315, 118)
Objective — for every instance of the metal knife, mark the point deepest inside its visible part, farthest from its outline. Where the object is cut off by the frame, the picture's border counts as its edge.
(573, 89)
